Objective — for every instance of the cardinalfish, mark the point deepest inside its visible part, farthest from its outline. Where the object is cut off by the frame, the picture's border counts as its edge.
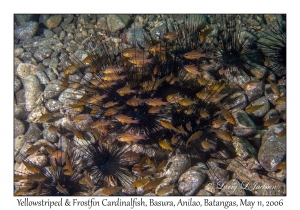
(280, 100)
(81, 117)
(65, 82)
(171, 79)
(140, 182)
(187, 102)
(161, 165)
(127, 120)
(274, 87)
(111, 111)
(172, 35)
(156, 102)
(129, 138)
(217, 87)
(95, 99)
(253, 108)
(195, 55)
(111, 190)
(202, 81)
(113, 77)
(70, 70)
(46, 117)
(227, 115)
(217, 123)
(125, 90)
(181, 130)
(165, 144)
(205, 32)
(133, 52)
(139, 62)
(62, 189)
(206, 145)
(107, 84)
(217, 98)
(76, 107)
(30, 167)
(204, 114)
(282, 133)
(168, 125)
(192, 69)
(34, 148)
(164, 190)
(157, 48)
(112, 69)
(154, 109)
(282, 165)
(188, 111)
(110, 104)
(194, 136)
(99, 124)
(272, 120)
(154, 183)
(203, 94)
(134, 101)
(221, 134)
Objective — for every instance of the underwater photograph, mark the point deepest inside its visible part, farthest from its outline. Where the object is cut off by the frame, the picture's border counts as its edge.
(149, 104)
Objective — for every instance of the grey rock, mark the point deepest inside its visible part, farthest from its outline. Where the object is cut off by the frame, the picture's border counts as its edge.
(204, 193)
(190, 181)
(19, 141)
(176, 165)
(102, 24)
(272, 113)
(197, 19)
(23, 18)
(273, 148)
(33, 133)
(36, 113)
(41, 42)
(46, 62)
(43, 18)
(262, 111)
(53, 21)
(258, 71)
(18, 51)
(17, 62)
(51, 75)
(33, 91)
(25, 69)
(42, 53)
(272, 97)
(26, 30)
(53, 63)
(20, 112)
(17, 84)
(27, 58)
(53, 89)
(250, 163)
(20, 97)
(49, 136)
(281, 107)
(19, 127)
(233, 187)
(117, 22)
(40, 160)
(67, 20)
(53, 105)
(217, 175)
(254, 90)
(280, 175)
(69, 95)
(236, 100)
(244, 125)
(136, 37)
(243, 148)
(42, 77)
(48, 34)
(159, 30)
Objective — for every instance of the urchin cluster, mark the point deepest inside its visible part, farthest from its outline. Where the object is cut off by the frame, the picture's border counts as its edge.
(171, 94)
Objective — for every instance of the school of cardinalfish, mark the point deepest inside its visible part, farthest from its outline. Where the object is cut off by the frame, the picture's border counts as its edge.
(122, 107)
